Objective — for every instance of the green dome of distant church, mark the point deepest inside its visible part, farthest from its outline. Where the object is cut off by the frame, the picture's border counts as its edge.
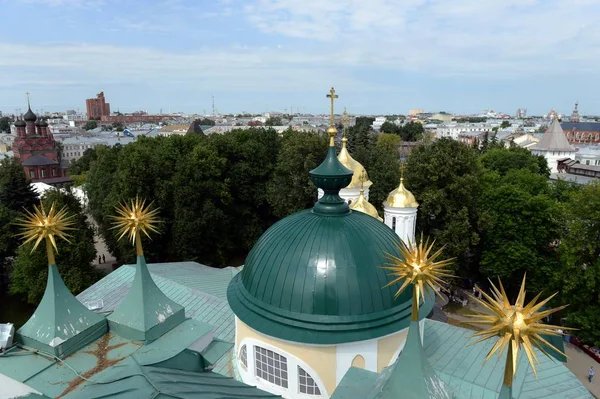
(316, 276)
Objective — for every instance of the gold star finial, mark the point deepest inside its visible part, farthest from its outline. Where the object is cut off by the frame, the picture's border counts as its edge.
(41, 225)
(136, 218)
(417, 267)
(518, 325)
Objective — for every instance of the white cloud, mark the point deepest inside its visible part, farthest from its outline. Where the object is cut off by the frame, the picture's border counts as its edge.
(481, 37)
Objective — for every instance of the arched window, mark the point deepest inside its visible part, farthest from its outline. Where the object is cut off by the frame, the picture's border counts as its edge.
(271, 366)
(358, 362)
(244, 356)
(306, 384)
(394, 223)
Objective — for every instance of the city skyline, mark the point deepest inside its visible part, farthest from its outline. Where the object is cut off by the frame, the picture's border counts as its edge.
(383, 57)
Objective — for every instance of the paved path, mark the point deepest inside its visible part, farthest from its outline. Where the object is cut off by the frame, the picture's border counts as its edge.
(579, 363)
(101, 249)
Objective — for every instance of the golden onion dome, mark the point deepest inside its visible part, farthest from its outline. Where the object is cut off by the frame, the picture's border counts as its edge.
(360, 176)
(363, 205)
(401, 197)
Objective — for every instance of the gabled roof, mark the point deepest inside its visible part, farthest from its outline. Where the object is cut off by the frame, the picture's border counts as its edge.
(554, 139)
(39, 160)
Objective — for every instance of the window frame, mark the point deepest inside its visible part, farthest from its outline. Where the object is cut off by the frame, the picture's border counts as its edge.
(243, 356)
(303, 382)
(268, 370)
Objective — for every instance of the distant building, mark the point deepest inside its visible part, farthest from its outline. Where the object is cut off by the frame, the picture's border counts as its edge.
(415, 112)
(74, 147)
(380, 120)
(575, 115)
(454, 130)
(97, 107)
(36, 148)
(554, 146)
(582, 132)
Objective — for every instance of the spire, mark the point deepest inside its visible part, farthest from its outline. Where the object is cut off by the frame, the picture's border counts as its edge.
(554, 139)
(411, 375)
(60, 325)
(362, 204)
(401, 197)
(331, 176)
(146, 313)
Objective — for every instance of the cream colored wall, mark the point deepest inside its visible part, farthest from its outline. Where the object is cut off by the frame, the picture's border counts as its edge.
(388, 346)
(322, 359)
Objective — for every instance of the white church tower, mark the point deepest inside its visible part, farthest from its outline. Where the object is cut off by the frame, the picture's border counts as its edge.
(400, 211)
(554, 146)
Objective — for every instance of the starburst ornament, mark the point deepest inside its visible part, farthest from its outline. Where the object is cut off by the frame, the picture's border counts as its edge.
(136, 218)
(48, 226)
(518, 325)
(417, 267)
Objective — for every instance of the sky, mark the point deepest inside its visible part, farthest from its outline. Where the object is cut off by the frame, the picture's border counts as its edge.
(382, 56)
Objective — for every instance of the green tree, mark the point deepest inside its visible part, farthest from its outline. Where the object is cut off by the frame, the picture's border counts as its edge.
(389, 127)
(89, 125)
(205, 122)
(274, 121)
(445, 178)
(522, 225)
(74, 259)
(384, 170)
(504, 124)
(412, 131)
(15, 190)
(84, 163)
(290, 189)
(503, 160)
(5, 124)
(580, 253)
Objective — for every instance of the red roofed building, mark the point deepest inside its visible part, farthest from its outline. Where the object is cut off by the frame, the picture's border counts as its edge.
(36, 148)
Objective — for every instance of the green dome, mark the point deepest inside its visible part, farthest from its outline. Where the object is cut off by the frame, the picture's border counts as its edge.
(318, 279)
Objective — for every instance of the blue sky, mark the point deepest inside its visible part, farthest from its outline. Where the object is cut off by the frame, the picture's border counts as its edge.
(383, 56)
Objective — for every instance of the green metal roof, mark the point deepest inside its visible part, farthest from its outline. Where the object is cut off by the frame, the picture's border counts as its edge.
(186, 289)
(146, 312)
(331, 176)
(319, 279)
(60, 325)
(411, 376)
(461, 366)
(129, 379)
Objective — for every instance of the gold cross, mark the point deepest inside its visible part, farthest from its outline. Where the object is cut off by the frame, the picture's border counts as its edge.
(363, 177)
(402, 165)
(332, 96)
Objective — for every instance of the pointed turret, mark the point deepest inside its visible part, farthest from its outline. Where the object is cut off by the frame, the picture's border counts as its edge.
(146, 313)
(60, 325)
(554, 146)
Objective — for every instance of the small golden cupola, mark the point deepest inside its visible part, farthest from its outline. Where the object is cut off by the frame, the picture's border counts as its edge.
(400, 211)
(360, 172)
(401, 197)
(363, 205)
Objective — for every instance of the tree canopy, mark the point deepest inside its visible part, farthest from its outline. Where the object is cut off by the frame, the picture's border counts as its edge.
(5, 124)
(91, 124)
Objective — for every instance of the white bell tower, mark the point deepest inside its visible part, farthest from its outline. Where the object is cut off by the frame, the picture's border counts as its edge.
(400, 211)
